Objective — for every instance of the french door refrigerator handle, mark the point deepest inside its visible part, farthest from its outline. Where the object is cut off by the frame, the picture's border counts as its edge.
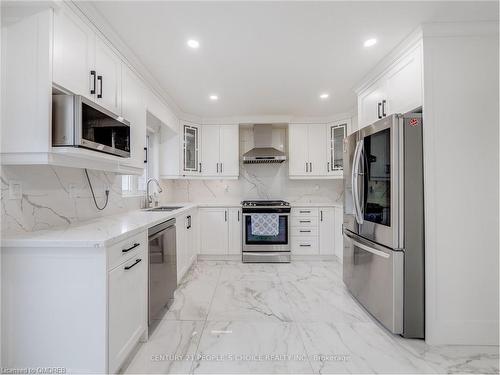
(354, 181)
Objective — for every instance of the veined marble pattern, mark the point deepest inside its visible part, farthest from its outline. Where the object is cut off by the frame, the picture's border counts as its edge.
(58, 196)
(230, 317)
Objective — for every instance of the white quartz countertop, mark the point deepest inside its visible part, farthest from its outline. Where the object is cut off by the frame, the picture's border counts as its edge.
(107, 230)
(99, 232)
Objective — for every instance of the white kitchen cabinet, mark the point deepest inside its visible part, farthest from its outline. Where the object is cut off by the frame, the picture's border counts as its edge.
(235, 230)
(229, 151)
(108, 67)
(219, 156)
(73, 55)
(134, 111)
(214, 229)
(398, 90)
(336, 132)
(326, 231)
(298, 149)
(103, 287)
(317, 151)
(186, 233)
(127, 305)
(314, 149)
(191, 163)
(210, 155)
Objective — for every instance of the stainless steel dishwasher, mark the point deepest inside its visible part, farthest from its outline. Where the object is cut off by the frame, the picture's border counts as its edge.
(162, 270)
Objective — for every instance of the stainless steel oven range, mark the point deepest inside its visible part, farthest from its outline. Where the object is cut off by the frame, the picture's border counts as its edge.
(273, 246)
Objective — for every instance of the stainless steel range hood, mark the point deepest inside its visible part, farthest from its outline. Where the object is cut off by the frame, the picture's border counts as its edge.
(263, 152)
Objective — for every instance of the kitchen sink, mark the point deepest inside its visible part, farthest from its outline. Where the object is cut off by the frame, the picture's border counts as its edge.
(164, 208)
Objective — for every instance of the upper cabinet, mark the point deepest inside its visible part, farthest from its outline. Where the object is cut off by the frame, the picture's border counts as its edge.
(220, 151)
(73, 55)
(397, 90)
(191, 164)
(108, 77)
(316, 150)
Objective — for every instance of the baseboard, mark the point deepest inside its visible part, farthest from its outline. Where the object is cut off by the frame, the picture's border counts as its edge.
(222, 257)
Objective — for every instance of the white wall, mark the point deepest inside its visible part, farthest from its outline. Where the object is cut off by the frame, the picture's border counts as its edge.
(461, 105)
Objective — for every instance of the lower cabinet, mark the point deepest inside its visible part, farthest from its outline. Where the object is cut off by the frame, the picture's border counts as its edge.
(186, 235)
(220, 230)
(338, 236)
(127, 307)
(313, 231)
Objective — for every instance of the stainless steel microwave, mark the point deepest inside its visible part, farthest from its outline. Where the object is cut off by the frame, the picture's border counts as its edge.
(79, 122)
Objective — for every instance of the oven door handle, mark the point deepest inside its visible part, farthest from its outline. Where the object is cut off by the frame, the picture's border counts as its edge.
(354, 181)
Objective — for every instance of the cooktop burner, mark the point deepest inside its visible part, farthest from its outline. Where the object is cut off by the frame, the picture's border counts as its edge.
(259, 203)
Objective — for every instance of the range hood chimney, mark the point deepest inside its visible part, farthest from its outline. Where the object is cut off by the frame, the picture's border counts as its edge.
(263, 151)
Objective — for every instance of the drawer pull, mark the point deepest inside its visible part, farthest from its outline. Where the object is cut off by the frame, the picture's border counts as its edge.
(305, 231)
(305, 212)
(131, 248)
(304, 221)
(304, 245)
(137, 261)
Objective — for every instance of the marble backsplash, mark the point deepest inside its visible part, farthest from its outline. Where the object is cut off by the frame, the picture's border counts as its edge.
(55, 196)
(256, 181)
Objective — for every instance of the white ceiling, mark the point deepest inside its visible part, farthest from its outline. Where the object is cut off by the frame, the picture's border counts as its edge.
(270, 58)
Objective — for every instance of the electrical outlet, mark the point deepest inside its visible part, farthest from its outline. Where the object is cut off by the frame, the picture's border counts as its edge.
(15, 190)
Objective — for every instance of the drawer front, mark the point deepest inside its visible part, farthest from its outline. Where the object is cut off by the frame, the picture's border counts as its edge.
(126, 249)
(305, 211)
(304, 221)
(304, 231)
(305, 245)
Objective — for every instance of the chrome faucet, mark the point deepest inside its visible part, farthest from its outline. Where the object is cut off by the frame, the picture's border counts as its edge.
(149, 197)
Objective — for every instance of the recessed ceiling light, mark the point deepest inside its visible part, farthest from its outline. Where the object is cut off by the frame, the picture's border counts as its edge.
(193, 43)
(370, 42)
(214, 97)
(324, 96)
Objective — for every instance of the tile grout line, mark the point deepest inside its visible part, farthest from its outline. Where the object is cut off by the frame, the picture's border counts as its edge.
(205, 322)
(294, 322)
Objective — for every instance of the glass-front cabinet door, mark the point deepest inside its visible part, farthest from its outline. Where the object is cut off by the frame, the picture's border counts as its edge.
(191, 164)
(336, 134)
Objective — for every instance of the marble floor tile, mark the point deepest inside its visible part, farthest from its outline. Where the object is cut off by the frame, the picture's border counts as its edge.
(250, 348)
(170, 349)
(329, 302)
(455, 359)
(311, 271)
(357, 348)
(251, 300)
(193, 297)
(249, 271)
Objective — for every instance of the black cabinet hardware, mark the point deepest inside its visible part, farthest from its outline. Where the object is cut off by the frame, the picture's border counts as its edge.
(137, 261)
(130, 248)
(92, 90)
(99, 78)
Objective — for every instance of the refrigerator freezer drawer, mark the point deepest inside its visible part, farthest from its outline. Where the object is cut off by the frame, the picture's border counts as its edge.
(374, 276)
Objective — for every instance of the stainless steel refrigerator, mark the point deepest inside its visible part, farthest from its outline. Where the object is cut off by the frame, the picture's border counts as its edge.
(383, 227)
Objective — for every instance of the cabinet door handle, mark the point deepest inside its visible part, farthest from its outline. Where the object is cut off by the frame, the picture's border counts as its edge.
(137, 261)
(304, 221)
(225, 215)
(305, 211)
(321, 215)
(310, 167)
(238, 215)
(220, 167)
(99, 79)
(328, 166)
(130, 248)
(92, 89)
(304, 245)
(383, 108)
(307, 170)
(217, 167)
(305, 231)
(378, 110)
(189, 222)
(200, 167)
